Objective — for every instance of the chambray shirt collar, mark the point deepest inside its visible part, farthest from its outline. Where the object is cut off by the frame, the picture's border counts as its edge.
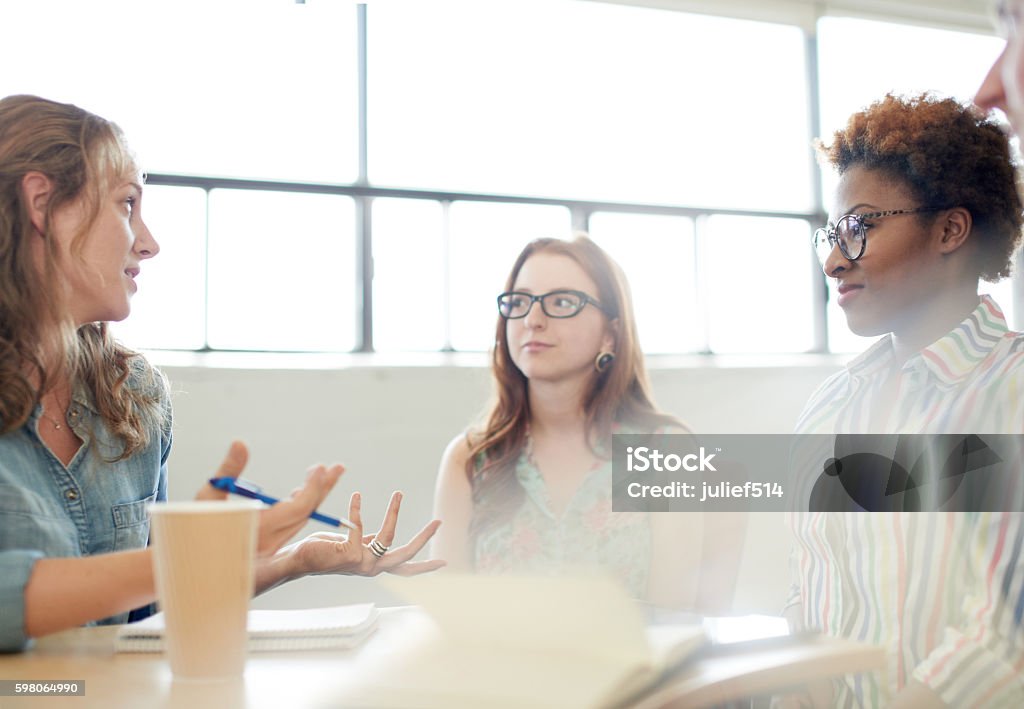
(949, 359)
(82, 397)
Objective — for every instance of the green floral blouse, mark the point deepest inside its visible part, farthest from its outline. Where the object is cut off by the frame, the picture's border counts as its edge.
(586, 536)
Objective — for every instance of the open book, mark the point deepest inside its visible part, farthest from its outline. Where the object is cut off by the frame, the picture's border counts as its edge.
(272, 630)
(517, 642)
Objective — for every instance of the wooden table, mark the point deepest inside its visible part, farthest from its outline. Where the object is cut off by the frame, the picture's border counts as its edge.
(296, 680)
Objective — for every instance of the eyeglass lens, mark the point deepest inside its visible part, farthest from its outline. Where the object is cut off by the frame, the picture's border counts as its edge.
(557, 304)
(848, 232)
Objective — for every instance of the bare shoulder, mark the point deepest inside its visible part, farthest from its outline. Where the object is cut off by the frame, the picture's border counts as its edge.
(454, 459)
(458, 450)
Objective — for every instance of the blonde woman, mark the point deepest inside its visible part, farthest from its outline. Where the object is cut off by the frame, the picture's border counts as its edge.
(85, 424)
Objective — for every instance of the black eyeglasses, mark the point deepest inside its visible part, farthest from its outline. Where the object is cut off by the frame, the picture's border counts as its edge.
(851, 233)
(556, 304)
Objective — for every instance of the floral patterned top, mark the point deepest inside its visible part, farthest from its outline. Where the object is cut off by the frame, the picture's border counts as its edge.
(586, 536)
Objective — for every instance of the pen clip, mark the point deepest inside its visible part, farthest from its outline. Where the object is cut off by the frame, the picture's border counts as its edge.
(236, 485)
(244, 486)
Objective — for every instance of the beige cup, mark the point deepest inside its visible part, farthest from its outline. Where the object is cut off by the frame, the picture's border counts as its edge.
(203, 555)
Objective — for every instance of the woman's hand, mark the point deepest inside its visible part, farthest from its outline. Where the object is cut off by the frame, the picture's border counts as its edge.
(322, 552)
(280, 522)
(331, 553)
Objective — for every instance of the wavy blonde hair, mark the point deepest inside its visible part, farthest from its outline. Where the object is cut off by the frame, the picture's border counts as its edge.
(82, 155)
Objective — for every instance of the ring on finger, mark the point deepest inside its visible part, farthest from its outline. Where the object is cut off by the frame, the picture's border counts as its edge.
(377, 548)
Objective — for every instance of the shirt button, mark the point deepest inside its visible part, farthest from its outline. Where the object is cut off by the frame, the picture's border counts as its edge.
(71, 495)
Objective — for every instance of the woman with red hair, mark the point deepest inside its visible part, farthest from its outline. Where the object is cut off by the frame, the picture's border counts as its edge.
(530, 490)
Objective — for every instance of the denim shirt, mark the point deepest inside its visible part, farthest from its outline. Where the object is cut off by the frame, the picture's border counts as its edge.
(92, 506)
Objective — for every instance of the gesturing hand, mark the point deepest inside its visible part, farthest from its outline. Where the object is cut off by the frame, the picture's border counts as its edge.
(330, 553)
(280, 522)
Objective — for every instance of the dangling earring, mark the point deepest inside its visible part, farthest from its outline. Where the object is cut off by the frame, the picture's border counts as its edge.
(603, 361)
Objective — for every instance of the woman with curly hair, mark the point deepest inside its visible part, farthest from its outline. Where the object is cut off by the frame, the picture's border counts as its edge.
(927, 204)
(530, 490)
(85, 423)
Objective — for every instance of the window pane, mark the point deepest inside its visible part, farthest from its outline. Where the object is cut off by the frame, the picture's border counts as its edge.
(168, 309)
(233, 87)
(946, 62)
(862, 60)
(408, 275)
(656, 253)
(759, 286)
(282, 271)
(598, 101)
(485, 240)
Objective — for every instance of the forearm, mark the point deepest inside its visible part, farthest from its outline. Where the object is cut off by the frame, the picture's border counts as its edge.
(275, 570)
(67, 592)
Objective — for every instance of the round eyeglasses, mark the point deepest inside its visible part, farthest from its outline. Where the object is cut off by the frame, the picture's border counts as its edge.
(556, 304)
(851, 232)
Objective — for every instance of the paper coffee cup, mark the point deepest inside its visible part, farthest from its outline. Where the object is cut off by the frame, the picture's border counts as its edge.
(203, 555)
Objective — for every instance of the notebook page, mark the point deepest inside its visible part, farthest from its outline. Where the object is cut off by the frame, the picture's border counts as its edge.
(337, 627)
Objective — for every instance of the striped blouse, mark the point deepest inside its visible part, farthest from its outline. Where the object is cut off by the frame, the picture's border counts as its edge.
(942, 592)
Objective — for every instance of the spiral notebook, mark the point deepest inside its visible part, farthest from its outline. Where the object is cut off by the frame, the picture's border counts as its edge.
(337, 627)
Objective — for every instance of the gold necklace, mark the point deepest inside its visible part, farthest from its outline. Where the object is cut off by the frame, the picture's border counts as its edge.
(57, 425)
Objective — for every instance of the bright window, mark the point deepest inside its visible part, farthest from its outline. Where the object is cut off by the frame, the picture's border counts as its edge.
(410, 269)
(485, 239)
(682, 140)
(759, 284)
(589, 100)
(656, 253)
(282, 271)
(228, 88)
(169, 309)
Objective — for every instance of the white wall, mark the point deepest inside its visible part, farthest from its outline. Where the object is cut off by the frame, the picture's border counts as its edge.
(389, 425)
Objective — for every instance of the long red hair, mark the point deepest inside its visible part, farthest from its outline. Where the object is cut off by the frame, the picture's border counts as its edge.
(620, 394)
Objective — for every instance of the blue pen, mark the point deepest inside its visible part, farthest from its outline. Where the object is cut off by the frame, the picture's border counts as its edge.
(248, 489)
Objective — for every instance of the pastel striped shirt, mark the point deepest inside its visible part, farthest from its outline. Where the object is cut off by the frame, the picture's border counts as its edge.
(942, 592)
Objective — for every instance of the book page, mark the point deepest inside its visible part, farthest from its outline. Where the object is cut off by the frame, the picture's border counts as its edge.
(589, 616)
(518, 641)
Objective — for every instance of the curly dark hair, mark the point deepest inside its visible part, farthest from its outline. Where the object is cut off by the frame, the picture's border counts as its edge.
(949, 155)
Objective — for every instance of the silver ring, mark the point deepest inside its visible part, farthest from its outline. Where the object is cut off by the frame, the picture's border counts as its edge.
(377, 548)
